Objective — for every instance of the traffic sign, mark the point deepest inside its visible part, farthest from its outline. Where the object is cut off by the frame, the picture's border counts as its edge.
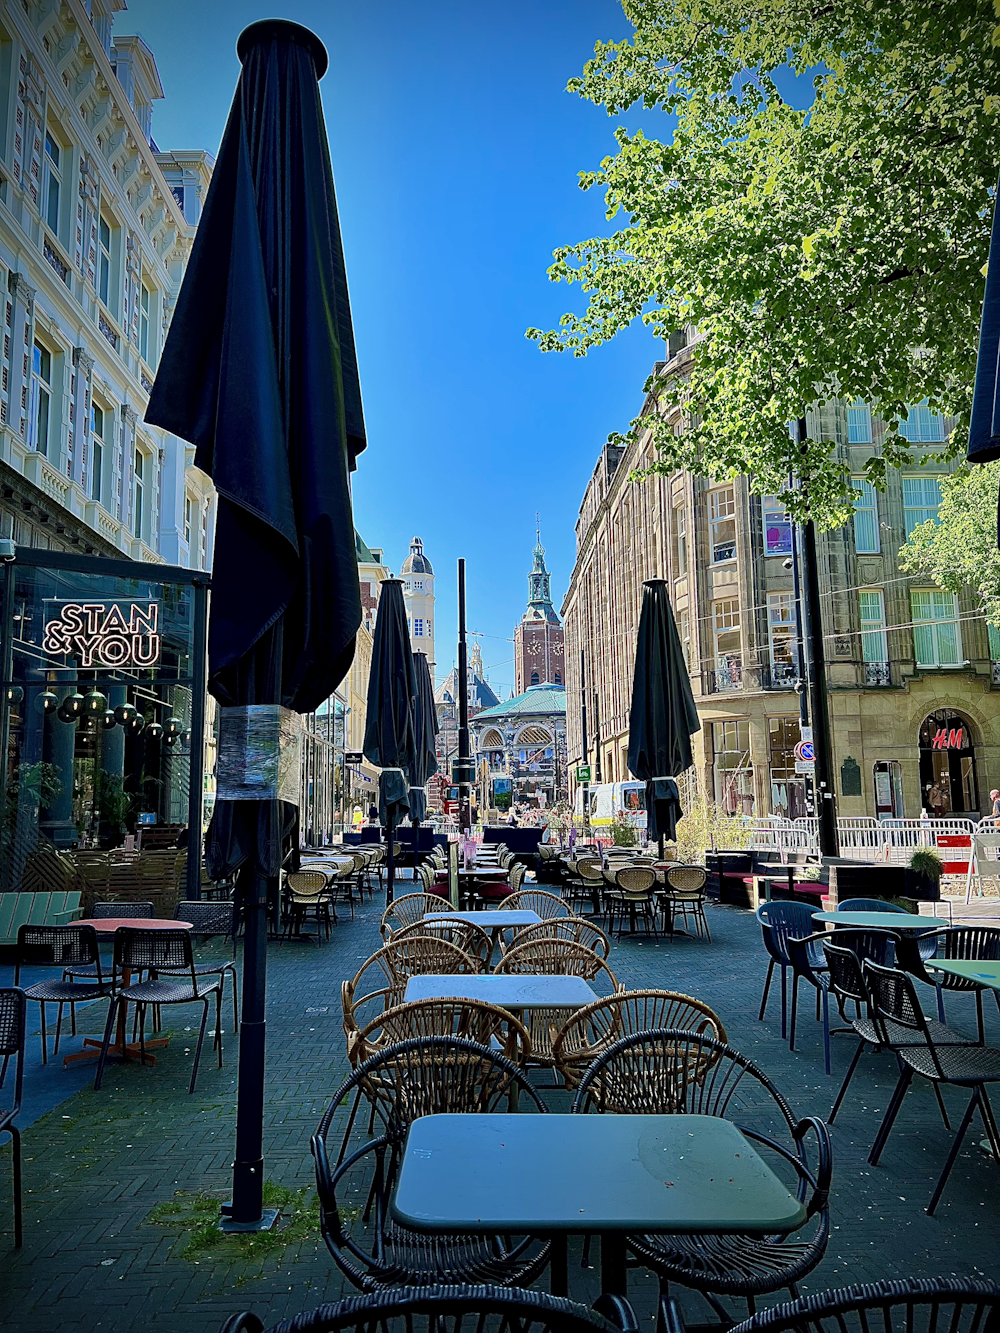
(804, 766)
(583, 773)
(807, 733)
(806, 751)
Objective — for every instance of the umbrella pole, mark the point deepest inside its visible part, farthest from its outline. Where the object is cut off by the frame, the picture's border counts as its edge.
(416, 844)
(390, 873)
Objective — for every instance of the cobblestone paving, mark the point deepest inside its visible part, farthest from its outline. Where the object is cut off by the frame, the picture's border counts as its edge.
(99, 1162)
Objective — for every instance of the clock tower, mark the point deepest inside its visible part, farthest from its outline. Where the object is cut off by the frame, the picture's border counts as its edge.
(538, 639)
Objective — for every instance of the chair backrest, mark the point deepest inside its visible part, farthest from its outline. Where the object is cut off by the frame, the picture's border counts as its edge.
(893, 999)
(685, 879)
(544, 904)
(306, 884)
(140, 911)
(899, 1305)
(565, 928)
(589, 869)
(207, 917)
(844, 951)
(409, 908)
(783, 920)
(56, 946)
(868, 905)
(515, 877)
(13, 1011)
(550, 957)
(137, 950)
(635, 881)
(474, 1020)
(465, 935)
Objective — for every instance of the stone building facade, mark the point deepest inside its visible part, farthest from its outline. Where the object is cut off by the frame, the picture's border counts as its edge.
(93, 245)
(538, 638)
(523, 741)
(417, 574)
(908, 664)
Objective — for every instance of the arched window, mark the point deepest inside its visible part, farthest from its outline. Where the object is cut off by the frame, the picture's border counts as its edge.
(948, 778)
(534, 678)
(558, 679)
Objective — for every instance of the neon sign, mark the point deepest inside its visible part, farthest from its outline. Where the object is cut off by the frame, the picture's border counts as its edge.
(111, 634)
(943, 739)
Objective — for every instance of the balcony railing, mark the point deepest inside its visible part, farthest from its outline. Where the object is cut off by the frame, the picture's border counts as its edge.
(727, 676)
(877, 673)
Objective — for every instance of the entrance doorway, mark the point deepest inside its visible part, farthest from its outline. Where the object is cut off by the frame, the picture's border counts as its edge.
(948, 781)
(888, 779)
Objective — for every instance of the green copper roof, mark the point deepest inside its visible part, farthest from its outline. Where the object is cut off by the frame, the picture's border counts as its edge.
(365, 556)
(536, 699)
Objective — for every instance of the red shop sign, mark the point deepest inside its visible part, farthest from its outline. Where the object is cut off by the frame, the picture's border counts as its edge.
(943, 739)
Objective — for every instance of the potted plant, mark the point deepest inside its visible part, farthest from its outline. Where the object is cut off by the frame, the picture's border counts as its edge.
(923, 876)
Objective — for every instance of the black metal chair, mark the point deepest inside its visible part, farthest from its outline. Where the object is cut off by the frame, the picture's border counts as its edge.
(210, 918)
(13, 1009)
(423, 1076)
(671, 1071)
(904, 1305)
(105, 912)
(72, 949)
(149, 951)
(894, 1000)
(951, 942)
(452, 1310)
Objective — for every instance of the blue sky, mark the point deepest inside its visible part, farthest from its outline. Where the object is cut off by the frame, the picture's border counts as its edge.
(455, 150)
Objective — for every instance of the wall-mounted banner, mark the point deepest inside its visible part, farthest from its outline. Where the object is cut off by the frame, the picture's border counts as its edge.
(107, 633)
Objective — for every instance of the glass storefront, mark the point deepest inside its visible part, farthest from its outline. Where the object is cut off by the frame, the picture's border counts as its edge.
(102, 706)
(732, 769)
(948, 783)
(788, 789)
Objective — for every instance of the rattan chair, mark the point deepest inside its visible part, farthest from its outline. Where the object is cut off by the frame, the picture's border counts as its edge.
(475, 1020)
(66, 948)
(574, 928)
(916, 956)
(634, 895)
(594, 1029)
(902, 1305)
(210, 918)
(894, 1000)
(305, 891)
(425, 1076)
(684, 893)
(409, 908)
(486, 1309)
(669, 1071)
(546, 905)
(586, 884)
(170, 952)
(465, 935)
(13, 1010)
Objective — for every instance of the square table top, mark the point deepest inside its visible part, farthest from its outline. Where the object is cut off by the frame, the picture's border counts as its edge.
(984, 970)
(507, 992)
(576, 1173)
(881, 920)
(498, 920)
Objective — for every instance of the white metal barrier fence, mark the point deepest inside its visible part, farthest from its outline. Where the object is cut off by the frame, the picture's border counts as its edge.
(892, 841)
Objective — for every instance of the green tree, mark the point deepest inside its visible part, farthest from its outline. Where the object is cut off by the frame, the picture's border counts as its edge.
(960, 550)
(832, 251)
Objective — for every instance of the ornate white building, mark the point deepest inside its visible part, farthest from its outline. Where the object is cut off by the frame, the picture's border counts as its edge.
(417, 574)
(95, 231)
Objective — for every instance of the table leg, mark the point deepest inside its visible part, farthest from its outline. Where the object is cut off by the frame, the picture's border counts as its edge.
(614, 1280)
(559, 1267)
(120, 1047)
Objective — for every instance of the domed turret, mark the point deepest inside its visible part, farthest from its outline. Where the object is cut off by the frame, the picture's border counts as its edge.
(416, 562)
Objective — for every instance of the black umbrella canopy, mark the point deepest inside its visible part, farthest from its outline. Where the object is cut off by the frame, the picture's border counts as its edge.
(259, 372)
(424, 764)
(984, 428)
(390, 730)
(663, 715)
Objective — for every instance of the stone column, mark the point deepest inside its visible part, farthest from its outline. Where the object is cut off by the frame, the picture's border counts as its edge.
(20, 354)
(59, 750)
(129, 419)
(83, 365)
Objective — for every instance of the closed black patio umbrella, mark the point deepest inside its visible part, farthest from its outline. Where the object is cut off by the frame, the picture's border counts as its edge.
(424, 763)
(259, 373)
(984, 427)
(390, 735)
(663, 715)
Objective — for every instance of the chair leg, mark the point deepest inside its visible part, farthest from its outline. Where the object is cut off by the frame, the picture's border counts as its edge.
(218, 1019)
(201, 1038)
(784, 1001)
(891, 1111)
(826, 1027)
(970, 1111)
(846, 1083)
(15, 1164)
(55, 1048)
(45, 1050)
(979, 1016)
(940, 999)
(989, 1120)
(767, 987)
(72, 1017)
(140, 1018)
(109, 1027)
(941, 1107)
(795, 1001)
(236, 1012)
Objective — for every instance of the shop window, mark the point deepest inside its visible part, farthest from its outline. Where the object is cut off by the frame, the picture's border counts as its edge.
(52, 186)
(678, 540)
(777, 526)
(874, 648)
(921, 425)
(97, 438)
(39, 410)
(937, 640)
(866, 530)
(859, 423)
(788, 788)
(948, 780)
(732, 770)
(722, 524)
(921, 501)
(782, 629)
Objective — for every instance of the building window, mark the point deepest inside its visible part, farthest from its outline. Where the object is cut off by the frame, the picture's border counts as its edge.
(937, 641)
(534, 678)
(777, 527)
(144, 322)
(722, 524)
(732, 770)
(427, 628)
(678, 535)
(728, 644)
(104, 263)
(97, 445)
(558, 678)
(137, 495)
(921, 425)
(994, 637)
(203, 554)
(782, 630)
(859, 423)
(684, 631)
(418, 627)
(41, 396)
(866, 530)
(921, 501)
(187, 520)
(53, 183)
(874, 648)
(788, 791)
(418, 585)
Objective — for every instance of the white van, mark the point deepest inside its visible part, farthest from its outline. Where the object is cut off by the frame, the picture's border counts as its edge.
(614, 800)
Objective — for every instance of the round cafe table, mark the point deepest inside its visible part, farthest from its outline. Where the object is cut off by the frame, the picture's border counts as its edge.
(107, 925)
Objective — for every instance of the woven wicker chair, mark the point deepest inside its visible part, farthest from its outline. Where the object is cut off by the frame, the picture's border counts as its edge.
(486, 1309)
(306, 890)
(669, 1071)
(425, 1076)
(475, 1020)
(411, 907)
(902, 1305)
(574, 928)
(594, 1029)
(634, 894)
(465, 935)
(684, 893)
(13, 1012)
(63, 947)
(546, 905)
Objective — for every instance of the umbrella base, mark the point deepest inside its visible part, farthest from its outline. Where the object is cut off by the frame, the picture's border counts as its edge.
(268, 1218)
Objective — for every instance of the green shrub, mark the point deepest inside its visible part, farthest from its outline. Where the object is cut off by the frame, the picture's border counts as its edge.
(927, 863)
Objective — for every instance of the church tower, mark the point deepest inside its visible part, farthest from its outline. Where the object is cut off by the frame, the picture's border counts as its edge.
(538, 639)
(418, 594)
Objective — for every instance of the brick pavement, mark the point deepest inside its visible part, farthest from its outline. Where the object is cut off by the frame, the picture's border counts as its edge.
(98, 1163)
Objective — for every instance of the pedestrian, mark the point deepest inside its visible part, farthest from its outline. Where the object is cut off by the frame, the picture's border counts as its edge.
(995, 798)
(512, 820)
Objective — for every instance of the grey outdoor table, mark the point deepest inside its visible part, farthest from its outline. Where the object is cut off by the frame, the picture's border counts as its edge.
(494, 921)
(514, 992)
(556, 1175)
(881, 920)
(983, 971)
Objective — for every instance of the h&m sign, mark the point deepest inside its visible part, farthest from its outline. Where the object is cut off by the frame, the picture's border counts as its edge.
(110, 634)
(949, 739)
